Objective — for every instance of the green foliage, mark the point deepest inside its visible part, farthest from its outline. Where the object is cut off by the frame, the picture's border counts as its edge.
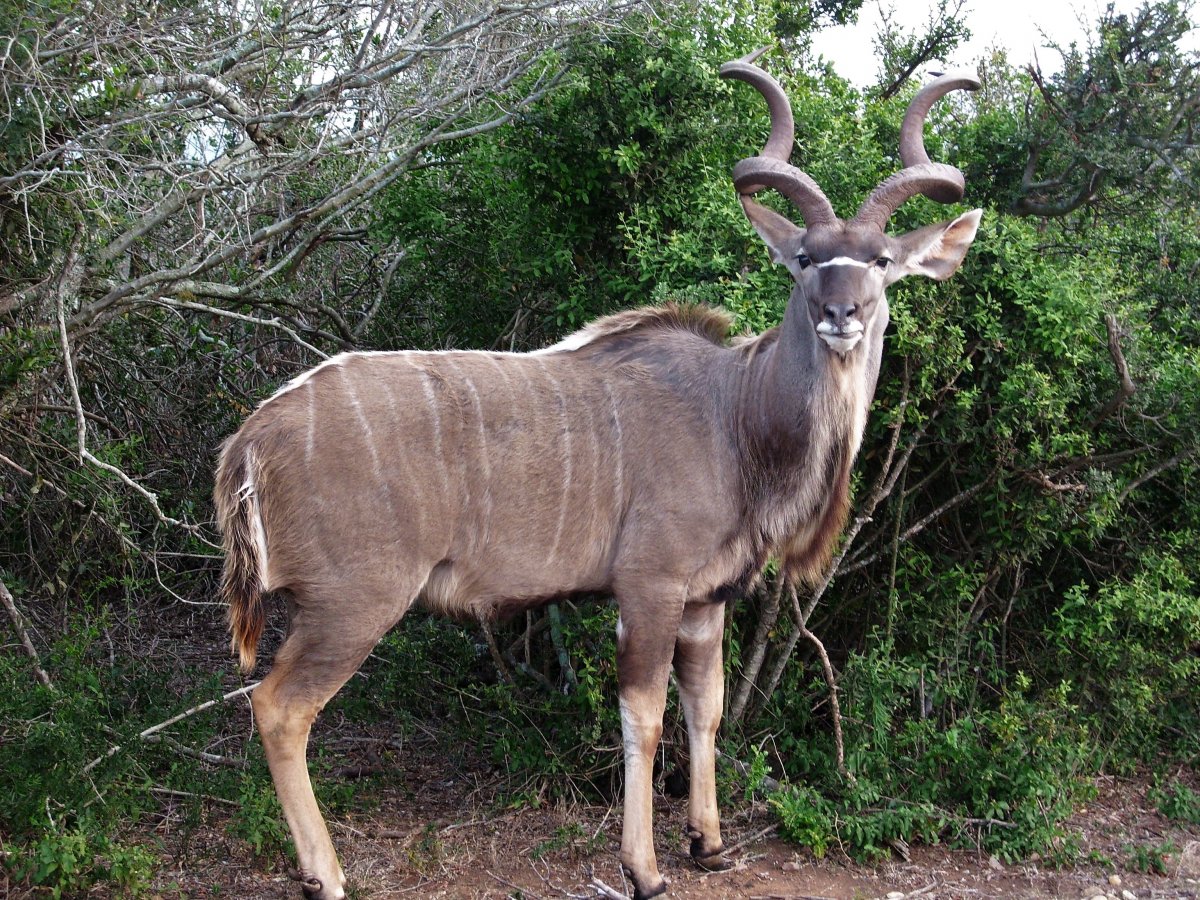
(1023, 595)
(69, 807)
(805, 817)
(1177, 802)
(69, 863)
(258, 820)
(1130, 647)
(1151, 860)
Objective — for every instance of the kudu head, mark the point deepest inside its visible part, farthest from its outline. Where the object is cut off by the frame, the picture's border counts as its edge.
(841, 267)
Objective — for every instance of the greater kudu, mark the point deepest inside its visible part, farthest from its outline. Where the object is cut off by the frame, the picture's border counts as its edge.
(644, 456)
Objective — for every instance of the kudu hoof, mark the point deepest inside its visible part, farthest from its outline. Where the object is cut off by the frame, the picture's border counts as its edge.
(640, 893)
(310, 884)
(713, 860)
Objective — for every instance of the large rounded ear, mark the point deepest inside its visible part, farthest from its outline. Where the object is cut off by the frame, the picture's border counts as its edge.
(936, 251)
(781, 235)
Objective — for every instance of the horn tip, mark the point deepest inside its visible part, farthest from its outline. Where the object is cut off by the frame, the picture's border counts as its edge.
(964, 79)
(730, 69)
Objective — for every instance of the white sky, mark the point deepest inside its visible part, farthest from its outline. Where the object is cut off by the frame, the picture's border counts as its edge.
(1016, 25)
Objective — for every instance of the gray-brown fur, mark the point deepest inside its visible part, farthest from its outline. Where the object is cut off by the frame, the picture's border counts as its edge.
(552, 473)
(647, 456)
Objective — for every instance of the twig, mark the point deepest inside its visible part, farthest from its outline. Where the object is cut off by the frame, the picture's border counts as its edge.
(754, 838)
(1153, 473)
(494, 649)
(154, 729)
(925, 890)
(999, 823)
(86, 455)
(18, 623)
(39, 481)
(748, 676)
(524, 892)
(802, 625)
(560, 646)
(743, 768)
(188, 795)
(605, 891)
(212, 758)
(924, 522)
(473, 822)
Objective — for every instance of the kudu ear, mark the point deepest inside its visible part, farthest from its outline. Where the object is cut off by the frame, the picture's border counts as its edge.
(936, 251)
(781, 235)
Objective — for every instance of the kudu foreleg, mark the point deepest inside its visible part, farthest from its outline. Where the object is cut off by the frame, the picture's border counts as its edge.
(701, 682)
(645, 639)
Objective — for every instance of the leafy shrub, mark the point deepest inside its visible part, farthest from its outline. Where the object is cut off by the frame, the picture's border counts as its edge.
(1177, 802)
(70, 862)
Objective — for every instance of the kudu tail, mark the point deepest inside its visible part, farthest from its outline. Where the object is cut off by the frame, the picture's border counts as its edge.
(240, 521)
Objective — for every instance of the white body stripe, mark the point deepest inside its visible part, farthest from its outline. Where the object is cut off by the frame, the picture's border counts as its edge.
(431, 399)
(564, 506)
(619, 453)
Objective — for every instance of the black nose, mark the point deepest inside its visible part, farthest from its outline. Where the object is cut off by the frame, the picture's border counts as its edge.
(839, 313)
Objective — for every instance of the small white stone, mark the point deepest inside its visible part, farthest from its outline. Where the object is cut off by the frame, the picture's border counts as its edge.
(895, 895)
(1114, 879)
(1128, 895)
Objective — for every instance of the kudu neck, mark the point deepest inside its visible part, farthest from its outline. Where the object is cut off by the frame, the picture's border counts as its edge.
(800, 379)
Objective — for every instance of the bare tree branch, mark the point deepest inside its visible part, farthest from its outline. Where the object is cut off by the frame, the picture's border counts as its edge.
(146, 733)
(1126, 388)
(18, 624)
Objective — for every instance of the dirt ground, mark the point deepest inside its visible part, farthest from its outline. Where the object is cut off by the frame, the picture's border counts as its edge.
(434, 831)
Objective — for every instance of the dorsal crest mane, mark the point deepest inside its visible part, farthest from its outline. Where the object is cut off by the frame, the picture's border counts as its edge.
(711, 324)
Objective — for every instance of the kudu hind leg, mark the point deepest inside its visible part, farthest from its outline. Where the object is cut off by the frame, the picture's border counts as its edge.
(645, 636)
(316, 659)
(701, 681)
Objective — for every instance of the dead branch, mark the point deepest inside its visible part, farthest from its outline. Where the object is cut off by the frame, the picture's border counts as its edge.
(18, 624)
(751, 839)
(154, 729)
(215, 759)
(603, 890)
(1154, 472)
(924, 522)
(86, 455)
(748, 675)
(835, 706)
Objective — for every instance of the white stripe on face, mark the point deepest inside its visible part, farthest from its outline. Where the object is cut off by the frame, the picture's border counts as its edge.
(843, 261)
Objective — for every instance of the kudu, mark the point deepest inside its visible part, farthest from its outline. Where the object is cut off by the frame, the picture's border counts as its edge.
(644, 456)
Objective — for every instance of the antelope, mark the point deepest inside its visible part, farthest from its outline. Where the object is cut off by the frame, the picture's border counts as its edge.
(645, 456)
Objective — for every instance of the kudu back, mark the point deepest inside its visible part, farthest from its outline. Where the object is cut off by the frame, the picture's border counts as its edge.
(645, 456)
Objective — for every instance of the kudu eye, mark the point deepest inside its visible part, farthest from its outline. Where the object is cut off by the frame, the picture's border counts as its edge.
(882, 263)
(803, 261)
